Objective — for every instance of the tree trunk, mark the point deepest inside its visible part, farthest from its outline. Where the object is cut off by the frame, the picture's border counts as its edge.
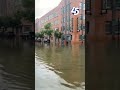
(49, 37)
(58, 40)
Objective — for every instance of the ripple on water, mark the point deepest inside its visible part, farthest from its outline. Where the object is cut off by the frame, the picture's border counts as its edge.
(49, 76)
(9, 81)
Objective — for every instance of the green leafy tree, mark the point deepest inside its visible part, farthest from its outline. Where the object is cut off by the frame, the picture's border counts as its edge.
(37, 35)
(40, 35)
(48, 31)
(48, 26)
(57, 35)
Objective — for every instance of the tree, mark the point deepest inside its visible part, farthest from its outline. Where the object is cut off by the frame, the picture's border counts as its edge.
(29, 11)
(48, 26)
(16, 20)
(48, 31)
(5, 21)
(57, 35)
(39, 35)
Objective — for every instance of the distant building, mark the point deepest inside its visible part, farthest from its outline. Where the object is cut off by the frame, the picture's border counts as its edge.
(102, 19)
(61, 18)
(37, 25)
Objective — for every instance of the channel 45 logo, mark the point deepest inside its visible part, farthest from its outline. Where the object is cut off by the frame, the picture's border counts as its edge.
(75, 11)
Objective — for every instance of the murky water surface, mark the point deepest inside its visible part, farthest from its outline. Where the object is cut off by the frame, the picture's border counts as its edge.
(102, 65)
(59, 67)
(16, 65)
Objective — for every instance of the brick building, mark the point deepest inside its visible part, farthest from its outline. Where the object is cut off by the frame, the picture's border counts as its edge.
(102, 19)
(61, 18)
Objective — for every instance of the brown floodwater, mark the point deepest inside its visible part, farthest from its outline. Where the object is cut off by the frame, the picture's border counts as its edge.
(59, 67)
(16, 65)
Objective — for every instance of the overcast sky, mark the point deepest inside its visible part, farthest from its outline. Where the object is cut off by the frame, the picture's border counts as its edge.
(44, 6)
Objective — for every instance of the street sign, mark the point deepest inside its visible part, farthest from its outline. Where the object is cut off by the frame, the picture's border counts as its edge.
(75, 11)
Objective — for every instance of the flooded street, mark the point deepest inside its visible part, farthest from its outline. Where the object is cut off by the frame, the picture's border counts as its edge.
(16, 65)
(59, 67)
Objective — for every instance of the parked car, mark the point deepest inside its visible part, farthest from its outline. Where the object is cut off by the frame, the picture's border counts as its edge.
(45, 40)
(48, 40)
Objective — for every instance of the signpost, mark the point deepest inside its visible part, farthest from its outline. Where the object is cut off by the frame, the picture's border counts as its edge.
(75, 11)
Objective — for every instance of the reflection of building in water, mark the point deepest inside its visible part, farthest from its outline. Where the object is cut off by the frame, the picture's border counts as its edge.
(102, 63)
(102, 19)
(63, 20)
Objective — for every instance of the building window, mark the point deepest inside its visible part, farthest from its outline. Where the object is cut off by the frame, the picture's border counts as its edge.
(113, 28)
(63, 28)
(64, 10)
(82, 6)
(87, 27)
(88, 6)
(83, 27)
(69, 7)
(82, 17)
(82, 37)
(56, 22)
(68, 19)
(117, 4)
(116, 27)
(63, 19)
(108, 27)
(106, 4)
